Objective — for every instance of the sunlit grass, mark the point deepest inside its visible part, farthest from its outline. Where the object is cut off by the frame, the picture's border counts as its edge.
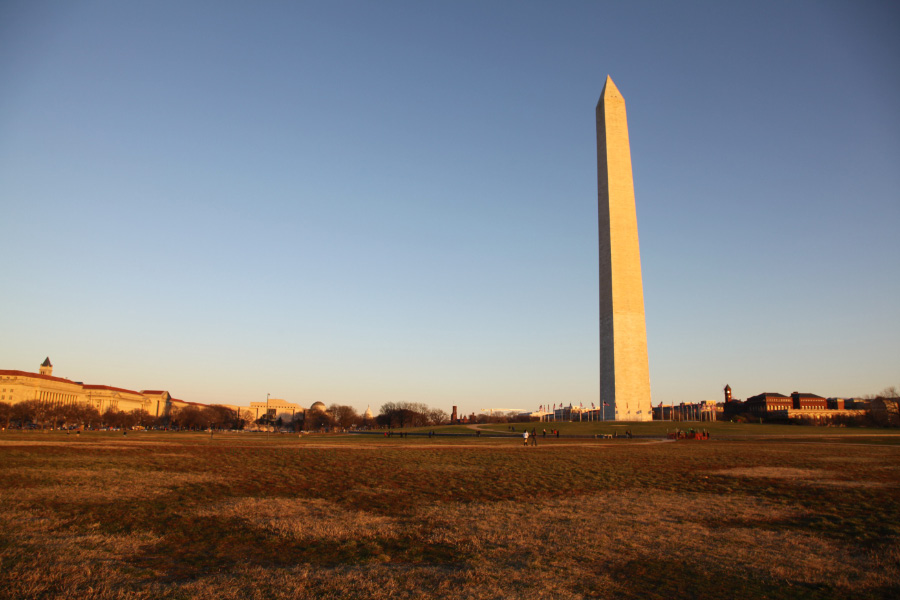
(162, 515)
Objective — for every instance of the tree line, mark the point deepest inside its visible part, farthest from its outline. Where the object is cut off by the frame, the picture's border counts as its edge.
(345, 417)
(410, 414)
(35, 413)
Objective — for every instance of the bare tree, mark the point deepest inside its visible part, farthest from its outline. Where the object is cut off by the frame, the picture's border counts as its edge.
(23, 412)
(127, 419)
(85, 415)
(403, 414)
(191, 417)
(886, 406)
(70, 415)
(436, 416)
(298, 420)
(5, 413)
(142, 417)
(344, 416)
(35, 411)
(316, 419)
(220, 416)
(111, 418)
(167, 419)
(247, 418)
(889, 392)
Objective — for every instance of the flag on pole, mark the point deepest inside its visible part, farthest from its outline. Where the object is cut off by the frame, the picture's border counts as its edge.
(606, 404)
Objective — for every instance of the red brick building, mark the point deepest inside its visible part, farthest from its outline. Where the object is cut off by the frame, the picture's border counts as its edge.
(808, 402)
(764, 404)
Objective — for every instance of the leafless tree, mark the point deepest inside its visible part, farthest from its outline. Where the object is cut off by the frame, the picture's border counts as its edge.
(220, 417)
(316, 419)
(142, 417)
(22, 412)
(344, 416)
(403, 414)
(111, 418)
(436, 416)
(191, 417)
(167, 418)
(890, 392)
(247, 418)
(298, 420)
(5, 413)
(33, 411)
(85, 415)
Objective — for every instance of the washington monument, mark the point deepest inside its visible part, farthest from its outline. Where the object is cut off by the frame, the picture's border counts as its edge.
(624, 369)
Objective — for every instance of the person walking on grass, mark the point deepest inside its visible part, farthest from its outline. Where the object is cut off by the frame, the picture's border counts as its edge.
(533, 438)
(525, 437)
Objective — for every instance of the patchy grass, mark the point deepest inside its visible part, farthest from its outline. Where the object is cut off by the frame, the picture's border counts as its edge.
(242, 516)
(716, 429)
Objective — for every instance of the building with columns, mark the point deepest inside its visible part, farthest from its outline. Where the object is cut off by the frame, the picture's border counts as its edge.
(43, 386)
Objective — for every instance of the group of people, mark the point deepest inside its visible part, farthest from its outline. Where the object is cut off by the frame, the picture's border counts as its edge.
(532, 437)
(392, 433)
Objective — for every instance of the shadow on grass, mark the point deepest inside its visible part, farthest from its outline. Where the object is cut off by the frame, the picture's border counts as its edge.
(196, 547)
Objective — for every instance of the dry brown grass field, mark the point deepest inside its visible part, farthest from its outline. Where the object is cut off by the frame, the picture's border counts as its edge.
(168, 515)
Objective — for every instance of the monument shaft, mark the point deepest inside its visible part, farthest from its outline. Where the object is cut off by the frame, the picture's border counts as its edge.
(624, 368)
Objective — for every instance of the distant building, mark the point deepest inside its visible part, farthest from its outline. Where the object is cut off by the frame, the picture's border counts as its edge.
(46, 367)
(43, 386)
(799, 406)
(765, 404)
(808, 402)
(276, 408)
(731, 407)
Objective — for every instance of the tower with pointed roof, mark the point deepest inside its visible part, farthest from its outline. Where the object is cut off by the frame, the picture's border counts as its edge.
(624, 367)
(46, 367)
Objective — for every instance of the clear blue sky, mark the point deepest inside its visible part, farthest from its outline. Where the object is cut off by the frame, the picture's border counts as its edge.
(358, 202)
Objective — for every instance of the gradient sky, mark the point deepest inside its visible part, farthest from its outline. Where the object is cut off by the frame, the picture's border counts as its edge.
(359, 202)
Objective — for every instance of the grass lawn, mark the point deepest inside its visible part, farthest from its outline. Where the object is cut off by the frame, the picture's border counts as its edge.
(754, 513)
(717, 429)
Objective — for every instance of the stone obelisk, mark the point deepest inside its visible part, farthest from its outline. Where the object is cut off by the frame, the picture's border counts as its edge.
(624, 368)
